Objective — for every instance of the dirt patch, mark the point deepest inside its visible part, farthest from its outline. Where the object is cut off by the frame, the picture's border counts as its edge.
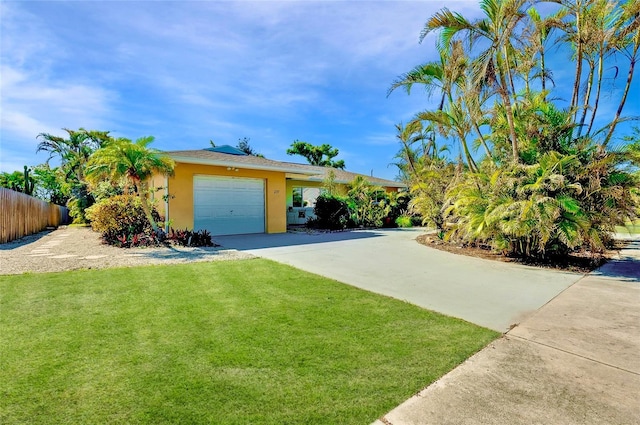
(74, 248)
(580, 262)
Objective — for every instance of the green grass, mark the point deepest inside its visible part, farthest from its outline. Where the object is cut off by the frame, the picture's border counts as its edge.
(224, 343)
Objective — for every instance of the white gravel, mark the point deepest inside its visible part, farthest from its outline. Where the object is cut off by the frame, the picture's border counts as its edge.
(74, 248)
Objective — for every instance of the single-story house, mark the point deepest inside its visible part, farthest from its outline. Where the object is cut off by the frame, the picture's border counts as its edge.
(226, 191)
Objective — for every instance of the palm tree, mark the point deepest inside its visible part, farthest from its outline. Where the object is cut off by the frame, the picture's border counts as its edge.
(134, 161)
(491, 66)
(627, 43)
(73, 153)
(439, 76)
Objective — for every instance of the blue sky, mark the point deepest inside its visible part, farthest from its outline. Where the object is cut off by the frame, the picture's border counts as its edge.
(190, 72)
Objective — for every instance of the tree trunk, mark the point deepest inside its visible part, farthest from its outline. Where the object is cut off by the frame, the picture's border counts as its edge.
(142, 194)
(623, 100)
(509, 112)
(587, 95)
(597, 100)
(578, 75)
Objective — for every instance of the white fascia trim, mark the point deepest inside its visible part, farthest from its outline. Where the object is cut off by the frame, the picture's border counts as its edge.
(240, 165)
(394, 184)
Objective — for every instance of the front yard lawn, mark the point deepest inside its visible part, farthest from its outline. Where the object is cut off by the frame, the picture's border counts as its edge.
(239, 342)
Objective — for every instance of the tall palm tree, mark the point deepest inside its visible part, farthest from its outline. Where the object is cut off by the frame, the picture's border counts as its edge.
(493, 37)
(601, 21)
(627, 43)
(136, 162)
(73, 153)
(539, 35)
(453, 120)
(440, 76)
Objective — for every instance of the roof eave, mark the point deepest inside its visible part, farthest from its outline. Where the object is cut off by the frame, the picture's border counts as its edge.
(240, 165)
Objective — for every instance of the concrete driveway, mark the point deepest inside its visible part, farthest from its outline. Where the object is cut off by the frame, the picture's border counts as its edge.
(390, 262)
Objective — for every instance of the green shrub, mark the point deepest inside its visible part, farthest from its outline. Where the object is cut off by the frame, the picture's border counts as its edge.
(404, 221)
(121, 221)
(331, 213)
(369, 205)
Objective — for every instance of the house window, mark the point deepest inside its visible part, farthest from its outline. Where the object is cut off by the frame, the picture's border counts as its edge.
(309, 196)
(305, 196)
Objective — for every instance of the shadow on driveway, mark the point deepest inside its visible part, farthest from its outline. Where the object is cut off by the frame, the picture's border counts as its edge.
(625, 268)
(277, 240)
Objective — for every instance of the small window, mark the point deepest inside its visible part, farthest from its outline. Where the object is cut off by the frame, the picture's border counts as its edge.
(309, 195)
(297, 196)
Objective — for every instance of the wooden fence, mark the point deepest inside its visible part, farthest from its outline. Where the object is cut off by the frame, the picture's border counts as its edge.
(22, 215)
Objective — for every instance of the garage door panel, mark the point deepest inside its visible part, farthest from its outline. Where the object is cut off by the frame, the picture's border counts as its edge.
(227, 205)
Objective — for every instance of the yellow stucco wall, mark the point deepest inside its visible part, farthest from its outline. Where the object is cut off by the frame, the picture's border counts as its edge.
(181, 194)
(157, 185)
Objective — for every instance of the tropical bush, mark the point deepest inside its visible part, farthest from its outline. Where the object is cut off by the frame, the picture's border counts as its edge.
(122, 221)
(404, 221)
(332, 212)
(368, 204)
(73, 153)
(548, 181)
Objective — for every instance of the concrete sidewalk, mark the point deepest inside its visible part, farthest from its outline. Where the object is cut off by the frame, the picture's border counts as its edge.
(574, 361)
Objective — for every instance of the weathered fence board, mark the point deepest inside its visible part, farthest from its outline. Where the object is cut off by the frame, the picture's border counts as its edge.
(22, 215)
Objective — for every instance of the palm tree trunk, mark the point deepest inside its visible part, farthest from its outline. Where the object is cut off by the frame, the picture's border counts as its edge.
(542, 72)
(578, 75)
(509, 112)
(587, 95)
(472, 164)
(598, 87)
(623, 100)
(141, 193)
(484, 144)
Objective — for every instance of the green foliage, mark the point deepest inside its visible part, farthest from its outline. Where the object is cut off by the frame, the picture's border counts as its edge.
(121, 220)
(19, 181)
(561, 203)
(429, 184)
(50, 184)
(134, 161)
(191, 237)
(244, 146)
(332, 212)
(29, 183)
(316, 155)
(365, 205)
(368, 204)
(404, 221)
(329, 185)
(73, 153)
(13, 181)
(78, 203)
(550, 182)
(106, 189)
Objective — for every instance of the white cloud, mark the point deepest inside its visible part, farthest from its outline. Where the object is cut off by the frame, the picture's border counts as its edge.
(31, 105)
(187, 72)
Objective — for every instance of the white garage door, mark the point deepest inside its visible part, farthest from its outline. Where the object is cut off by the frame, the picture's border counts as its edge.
(228, 205)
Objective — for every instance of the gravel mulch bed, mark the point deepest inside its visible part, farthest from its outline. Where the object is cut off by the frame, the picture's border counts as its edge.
(74, 248)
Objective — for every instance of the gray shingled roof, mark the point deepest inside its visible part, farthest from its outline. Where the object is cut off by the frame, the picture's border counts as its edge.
(312, 172)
